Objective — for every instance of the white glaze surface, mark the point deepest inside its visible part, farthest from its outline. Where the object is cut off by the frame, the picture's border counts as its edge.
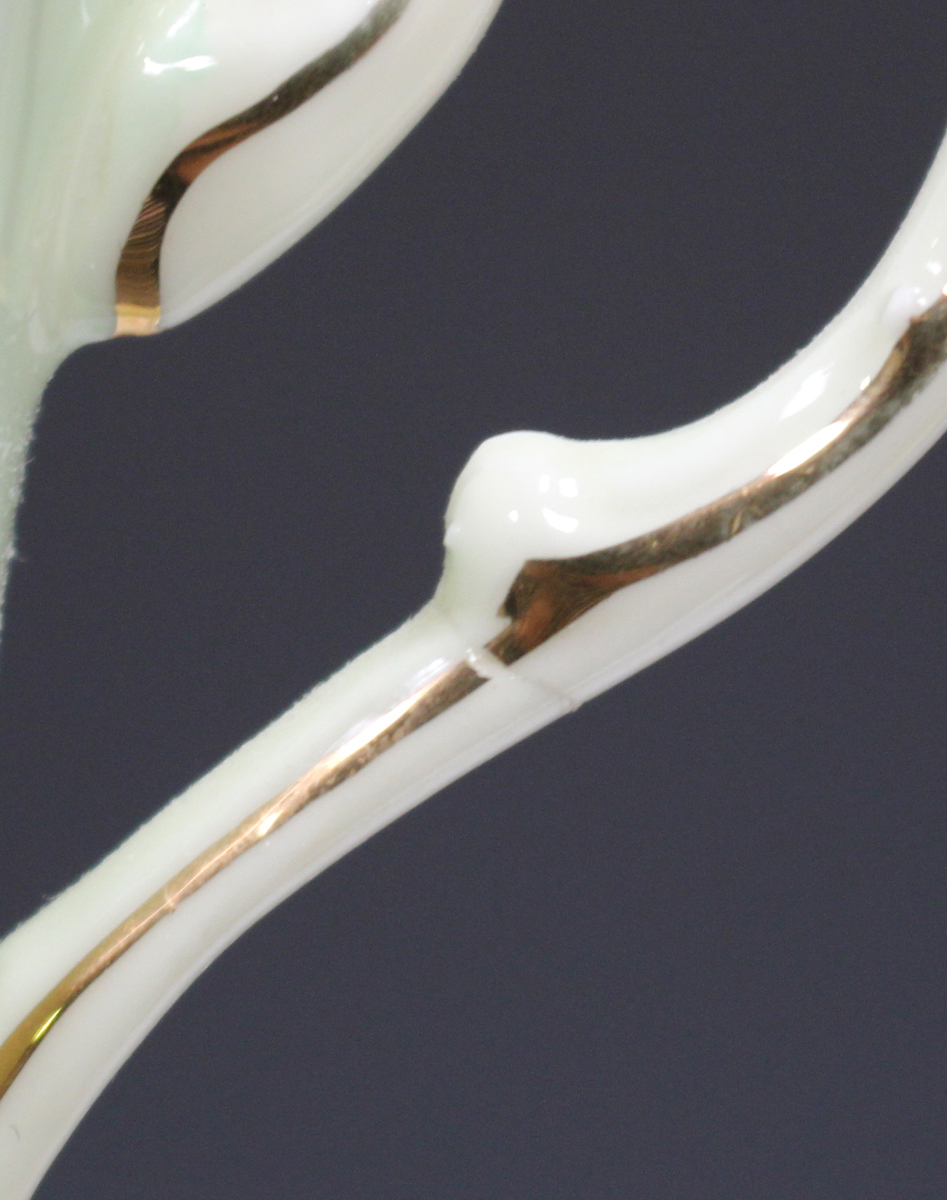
(84, 1050)
(535, 495)
(569, 498)
(291, 175)
(98, 98)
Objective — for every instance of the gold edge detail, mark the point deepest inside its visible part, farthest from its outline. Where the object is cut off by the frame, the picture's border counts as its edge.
(546, 596)
(137, 280)
(549, 594)
(360, 749)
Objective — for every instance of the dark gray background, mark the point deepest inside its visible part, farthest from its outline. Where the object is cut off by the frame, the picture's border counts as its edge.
(688, 943)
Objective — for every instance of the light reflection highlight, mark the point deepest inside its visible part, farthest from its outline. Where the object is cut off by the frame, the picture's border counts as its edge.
(559, 522)
(811, 390)
(807, 449)
(198, 62)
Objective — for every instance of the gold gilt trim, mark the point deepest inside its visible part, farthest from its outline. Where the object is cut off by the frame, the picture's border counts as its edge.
(547, 596)
(137, 281)
(361, 748)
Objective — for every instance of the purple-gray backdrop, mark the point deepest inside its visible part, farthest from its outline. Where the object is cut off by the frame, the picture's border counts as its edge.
(688, 943)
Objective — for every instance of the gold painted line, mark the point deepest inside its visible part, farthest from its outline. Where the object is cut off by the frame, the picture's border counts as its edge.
(362, 747)
(137, 280)
(547, 595)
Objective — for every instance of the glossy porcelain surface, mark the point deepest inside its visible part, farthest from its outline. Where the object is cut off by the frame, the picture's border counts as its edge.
(98, 97)
(73, 186)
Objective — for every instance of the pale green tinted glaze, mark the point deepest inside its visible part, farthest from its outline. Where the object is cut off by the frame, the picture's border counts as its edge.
(98, 97)
(88, 132)
(84, 132)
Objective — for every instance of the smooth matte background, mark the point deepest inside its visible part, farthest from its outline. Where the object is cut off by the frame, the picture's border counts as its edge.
(689, 943)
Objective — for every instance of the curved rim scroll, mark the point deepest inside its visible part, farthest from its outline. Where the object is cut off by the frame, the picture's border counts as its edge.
(547, 596)
(138, 278)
